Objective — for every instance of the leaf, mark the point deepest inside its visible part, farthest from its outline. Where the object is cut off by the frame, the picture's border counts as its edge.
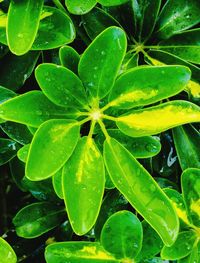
(142, 192)
(51, 147)
(83, 185)
(84, 252)
(145, 15)
(69, 58)
(55, 30)
(181, 248)
(190, 182)
(17, 132)
(158, 118)
(6, 252)
(177, 16)
(8, 150)
(142, 147)
(6, 94)
(193, 88)
(22, 25)
(151, 244)
(187, 143)
(100, 62)
(185, 45)
(132, 90)
(57, 184)
(36, 219)
(22, 153)
(78, 7)
(38, 109)
(15, 70)
(61, 85)
(122, 235)
(114, 201)
(192, 257)
(112, 2)
(96, 21)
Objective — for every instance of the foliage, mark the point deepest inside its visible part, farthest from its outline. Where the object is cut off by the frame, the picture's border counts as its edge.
(99, 136)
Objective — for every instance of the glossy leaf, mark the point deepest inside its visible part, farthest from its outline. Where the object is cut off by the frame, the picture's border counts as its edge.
(8, 150)
(114, 201)
(22, 154)
(145, 15)
(96, 21)
(100, 62)
(181, 248)
(142, 147)
(61, 85)
(185, 45)
(190, 182)
(112, 2)
(73, 252)
(177, 16)
(122, 235)
(57, 184)
(139, 188)
(187, 142)
(38, 109)
(78, 7)
(6, 252)
(83, 185)
(22, 25)
(151, 244)
(36, 219)
(132, 90)
(17, 132)
(15, 70)
(158, 118)
(6, 94)
(51, 147)
(69, 58)
(55, 30)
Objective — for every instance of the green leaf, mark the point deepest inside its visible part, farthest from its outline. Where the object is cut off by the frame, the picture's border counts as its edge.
(15, 70)
(17, 132)
(83, 185)
(190, 182)
(22, 154)
(158, 118)
(132, 90)
(78, 7)
(139, 188)
(73, 252)
(181, 248)
(187, 143)
(22, 25)
(185, 45)
(57, 184)
(36, 219)
(177, 16)
(6, 94)
(112, 2)
(55, 30)
(69, 58)
(192, 257)
(38, 109)
(6, 252)
(51, 147)
(151, 244)
(114, 201)
(96, 21)
(145, 15)
(142, 147)
(61, 85)
(122, 235)
(8, 150)
(100, 62)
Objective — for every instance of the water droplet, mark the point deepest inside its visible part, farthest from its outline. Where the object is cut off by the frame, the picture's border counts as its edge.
(39, 112)
(103, 52)
(152, 188)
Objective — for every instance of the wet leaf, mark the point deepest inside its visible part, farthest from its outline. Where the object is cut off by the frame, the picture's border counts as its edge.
(57, 184)
(78, 7)
(22, 153)
(6, 252)
(69, 58)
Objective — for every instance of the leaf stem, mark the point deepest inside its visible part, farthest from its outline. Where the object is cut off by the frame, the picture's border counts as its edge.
(92, 126)
(103, 128)
(84, 121)
(111, 118)
(59, 5)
